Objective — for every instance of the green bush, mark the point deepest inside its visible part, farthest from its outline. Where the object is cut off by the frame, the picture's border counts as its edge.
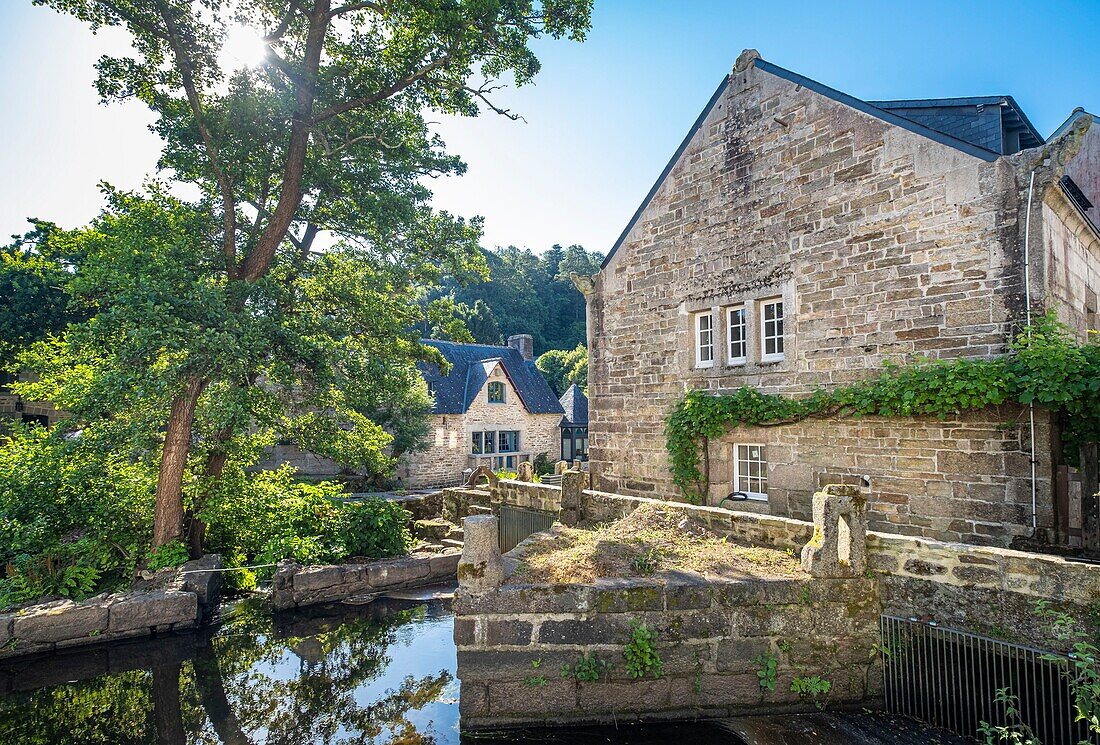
(543, 465)
(75, 517)
(375, 528)
(264, 517)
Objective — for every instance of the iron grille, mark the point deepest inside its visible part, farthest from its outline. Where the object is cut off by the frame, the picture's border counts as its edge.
(517, 523)
(950, 679)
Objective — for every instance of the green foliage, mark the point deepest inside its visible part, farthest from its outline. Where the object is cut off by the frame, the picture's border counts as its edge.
(769, 667)
(33, 300)
(56, 573)
(543, 465)
(223, 302)
(587, 669)
(375, 528)
(171, 554)
(814, 687)
(527, 293)
(646, 563)
(640, 652)
(1016, 732)
(1044, 366)
(563, 368)
(268, 516)
(74, 515)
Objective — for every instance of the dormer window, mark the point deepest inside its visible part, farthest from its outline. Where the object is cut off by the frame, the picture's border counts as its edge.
(496, 392)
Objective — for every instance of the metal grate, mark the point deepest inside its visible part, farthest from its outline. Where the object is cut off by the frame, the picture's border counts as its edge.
(517, 523)
(950, 679)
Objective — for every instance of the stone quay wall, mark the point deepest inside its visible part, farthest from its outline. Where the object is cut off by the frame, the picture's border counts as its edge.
(528, 495)
(985, 589)
(182, 603)
(713, 638)
(296, 585)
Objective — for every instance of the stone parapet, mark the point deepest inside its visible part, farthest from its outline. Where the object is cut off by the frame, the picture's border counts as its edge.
(295, 585)
(713, 638)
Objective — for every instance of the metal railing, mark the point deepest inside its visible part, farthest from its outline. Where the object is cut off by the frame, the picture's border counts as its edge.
(516, 523)
(950, 679)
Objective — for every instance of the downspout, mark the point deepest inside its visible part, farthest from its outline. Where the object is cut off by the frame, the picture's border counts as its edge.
(1027, 301)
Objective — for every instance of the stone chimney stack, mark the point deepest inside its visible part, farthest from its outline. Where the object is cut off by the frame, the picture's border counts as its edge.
(525, 343)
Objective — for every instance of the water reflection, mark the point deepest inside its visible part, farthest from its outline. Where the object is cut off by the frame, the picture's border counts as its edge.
(383, 673)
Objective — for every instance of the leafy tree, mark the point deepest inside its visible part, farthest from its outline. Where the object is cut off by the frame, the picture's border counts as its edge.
(563, 368)
(528, 293)
(482, 323)
(325, 135)
(33, 300)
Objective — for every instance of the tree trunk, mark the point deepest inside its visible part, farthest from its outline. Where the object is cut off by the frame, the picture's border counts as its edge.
(196, 528)
(168, 514)
(166, 705)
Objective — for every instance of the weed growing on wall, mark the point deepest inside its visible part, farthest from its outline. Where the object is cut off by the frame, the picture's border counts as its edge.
(768, 671)
(641, 653)
(1044, 366)
(813, 687)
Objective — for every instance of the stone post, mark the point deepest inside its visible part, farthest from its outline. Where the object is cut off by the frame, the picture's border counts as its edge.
(480, 567)
(561, 467)
(839, 545)
(526, 472)
(573, 484)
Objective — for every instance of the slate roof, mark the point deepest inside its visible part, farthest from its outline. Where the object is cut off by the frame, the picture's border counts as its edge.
(985, 121)
(913, 115)
(575, 404)
(471, 365)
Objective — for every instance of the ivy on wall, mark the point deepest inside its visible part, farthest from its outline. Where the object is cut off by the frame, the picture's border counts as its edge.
(1044, 365)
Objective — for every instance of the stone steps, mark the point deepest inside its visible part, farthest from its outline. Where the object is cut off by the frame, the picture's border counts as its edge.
(452, 543)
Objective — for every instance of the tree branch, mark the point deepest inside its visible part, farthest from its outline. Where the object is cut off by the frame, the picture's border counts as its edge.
(284, 24)
(259, 258)
(352, 7)
(382, 95)
(482, 92)
(225, 186)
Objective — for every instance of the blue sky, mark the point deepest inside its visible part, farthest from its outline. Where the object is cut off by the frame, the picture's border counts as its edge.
(602, 118)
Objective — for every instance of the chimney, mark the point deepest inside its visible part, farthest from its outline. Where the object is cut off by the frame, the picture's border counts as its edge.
(525, 343)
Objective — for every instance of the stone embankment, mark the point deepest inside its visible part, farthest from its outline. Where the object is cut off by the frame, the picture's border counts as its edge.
(296, 585)
(182, 601)
(559, 652)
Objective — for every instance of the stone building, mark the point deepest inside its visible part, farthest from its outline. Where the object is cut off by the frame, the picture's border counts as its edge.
(493, 408)
(801, 237)
(574, 424)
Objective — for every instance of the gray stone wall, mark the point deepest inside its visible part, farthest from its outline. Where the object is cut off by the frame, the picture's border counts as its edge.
(182, 602)
(296, 586)
(883, 244)
(514, 642)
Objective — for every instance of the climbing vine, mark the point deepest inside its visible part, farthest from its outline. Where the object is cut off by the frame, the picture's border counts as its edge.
(1044, 365)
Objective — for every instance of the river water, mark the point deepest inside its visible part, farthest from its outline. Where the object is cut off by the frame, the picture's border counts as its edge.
(381, 673)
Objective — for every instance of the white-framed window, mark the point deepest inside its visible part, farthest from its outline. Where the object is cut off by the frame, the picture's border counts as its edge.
(771, 330)
(750, 470)
(736, 334)
(704, 339)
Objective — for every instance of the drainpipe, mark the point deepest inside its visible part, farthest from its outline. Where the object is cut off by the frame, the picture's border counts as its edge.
(1027, 301)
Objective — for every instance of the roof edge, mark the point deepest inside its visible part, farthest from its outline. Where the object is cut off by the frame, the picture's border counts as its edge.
(860, 105)
(668, 169)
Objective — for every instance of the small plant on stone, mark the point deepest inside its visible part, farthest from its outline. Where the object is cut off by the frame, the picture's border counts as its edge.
(646, 563)
(814, 687)
(805, 595)
(769, 669)
(697, 679)
(588, 668)
(641, 653)
(536, 681)
(784, 646)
